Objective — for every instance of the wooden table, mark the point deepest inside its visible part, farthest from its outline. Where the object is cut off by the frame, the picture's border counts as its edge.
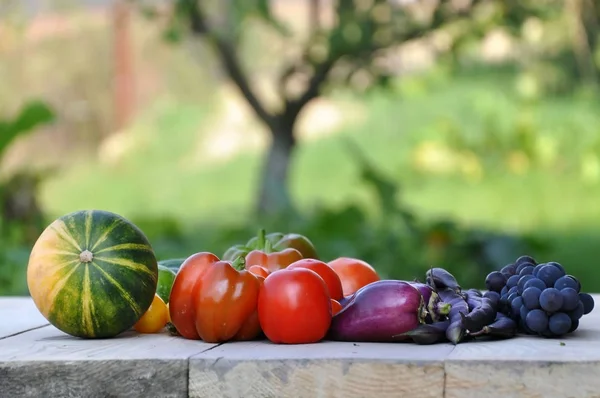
(37, 360)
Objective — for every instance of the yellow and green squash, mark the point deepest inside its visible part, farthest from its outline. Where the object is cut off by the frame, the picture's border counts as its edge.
(92, 274)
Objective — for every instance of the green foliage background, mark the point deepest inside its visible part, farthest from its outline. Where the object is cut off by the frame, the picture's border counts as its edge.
(463, 165)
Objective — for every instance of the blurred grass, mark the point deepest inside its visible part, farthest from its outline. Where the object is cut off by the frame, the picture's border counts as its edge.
(552, 202)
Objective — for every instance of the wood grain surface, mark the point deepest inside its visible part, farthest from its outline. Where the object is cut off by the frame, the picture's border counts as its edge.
(326, 369)
(37, 360)
(529, 366)
(19, 314)
(45, 362)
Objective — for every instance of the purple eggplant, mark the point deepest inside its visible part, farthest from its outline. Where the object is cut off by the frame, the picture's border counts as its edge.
(436, 308)
(379, 312)
(425, 290)
(348, 299)
(345, 300)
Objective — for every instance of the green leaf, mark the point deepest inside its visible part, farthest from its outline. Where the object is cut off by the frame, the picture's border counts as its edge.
(354, 34)
(31, 115)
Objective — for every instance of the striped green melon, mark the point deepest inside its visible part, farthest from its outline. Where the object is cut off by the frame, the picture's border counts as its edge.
(92, 274)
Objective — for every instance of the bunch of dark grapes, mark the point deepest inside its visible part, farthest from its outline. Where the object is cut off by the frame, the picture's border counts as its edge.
(542, 298)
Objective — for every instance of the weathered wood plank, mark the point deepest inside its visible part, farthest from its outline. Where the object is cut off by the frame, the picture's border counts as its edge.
(331, 369)
(529, 366)
(46, 362)
(18, 314)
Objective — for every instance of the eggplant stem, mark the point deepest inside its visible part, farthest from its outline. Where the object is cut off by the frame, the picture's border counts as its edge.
(422, 311)
(438, 308)
(444, 308)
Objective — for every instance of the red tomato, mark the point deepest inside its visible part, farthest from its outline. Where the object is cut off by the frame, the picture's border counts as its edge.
(331, 279)
(181, 306)
(353, 273)
(294, 307)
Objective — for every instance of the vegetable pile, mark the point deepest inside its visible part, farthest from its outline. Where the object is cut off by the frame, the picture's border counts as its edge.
(276, 287)
(305, 300)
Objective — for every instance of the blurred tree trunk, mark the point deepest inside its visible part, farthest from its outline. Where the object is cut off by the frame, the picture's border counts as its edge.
(577, 13)
(124, 76)
(313, 67)
(591, 22)
(314, 13)
(273, 195)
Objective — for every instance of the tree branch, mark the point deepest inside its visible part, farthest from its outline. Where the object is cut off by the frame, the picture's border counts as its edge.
(322, 69)
(314, 15)
(227, 55)
(313, 88)
(583, 53)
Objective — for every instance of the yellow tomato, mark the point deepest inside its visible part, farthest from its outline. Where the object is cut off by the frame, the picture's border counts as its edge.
(155, 318)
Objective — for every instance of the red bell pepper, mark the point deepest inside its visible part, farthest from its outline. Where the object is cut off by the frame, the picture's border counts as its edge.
(181, 307)
(225, 303)
(271, 260)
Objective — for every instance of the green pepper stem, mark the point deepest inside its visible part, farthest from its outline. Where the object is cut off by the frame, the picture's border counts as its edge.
(239, 263)
(261, 239)
(268, 247)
